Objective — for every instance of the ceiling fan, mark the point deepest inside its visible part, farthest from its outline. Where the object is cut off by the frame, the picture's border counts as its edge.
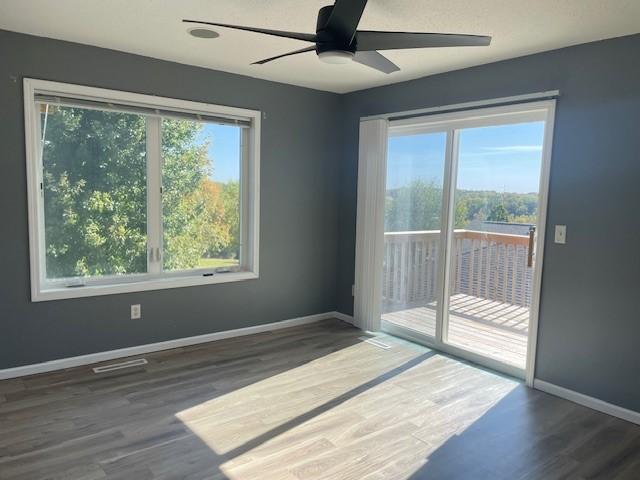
(337, 39)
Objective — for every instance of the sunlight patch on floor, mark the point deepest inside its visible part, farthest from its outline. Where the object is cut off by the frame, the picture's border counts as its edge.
(363, 400)
(231, 420)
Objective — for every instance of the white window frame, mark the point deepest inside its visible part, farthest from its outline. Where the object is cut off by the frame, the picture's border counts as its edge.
(155, 279)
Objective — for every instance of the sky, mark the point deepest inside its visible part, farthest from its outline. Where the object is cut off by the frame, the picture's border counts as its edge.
(224, 151)
(503, 158)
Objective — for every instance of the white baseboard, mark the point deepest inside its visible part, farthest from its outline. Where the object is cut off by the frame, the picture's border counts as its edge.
(81, 360)
(344, 317)
(587, 401)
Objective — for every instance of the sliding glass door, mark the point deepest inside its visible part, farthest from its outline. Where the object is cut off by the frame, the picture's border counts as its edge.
(463, 209)
(413, 222)
(495, 212)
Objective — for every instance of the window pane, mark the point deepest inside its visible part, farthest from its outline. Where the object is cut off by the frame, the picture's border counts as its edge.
(412, 223)
(496, 208)
(95, 192)
(201, 195)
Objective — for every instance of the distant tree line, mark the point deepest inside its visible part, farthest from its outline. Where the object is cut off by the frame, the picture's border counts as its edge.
(418, 206)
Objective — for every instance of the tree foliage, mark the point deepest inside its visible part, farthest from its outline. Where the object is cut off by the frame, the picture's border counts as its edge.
(418, 205)
(498, 214)
(95, 187)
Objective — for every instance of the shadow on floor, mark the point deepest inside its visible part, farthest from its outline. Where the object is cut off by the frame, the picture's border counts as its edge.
(532, 435)
(325, 407)
(143, 424)
(126, 424)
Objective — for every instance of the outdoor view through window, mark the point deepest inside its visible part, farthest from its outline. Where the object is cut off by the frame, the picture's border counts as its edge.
(201, 194)
(494, 201)
(498, 174)
(96, 198)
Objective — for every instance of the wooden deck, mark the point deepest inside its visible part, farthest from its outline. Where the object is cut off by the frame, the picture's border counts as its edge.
(494, 329)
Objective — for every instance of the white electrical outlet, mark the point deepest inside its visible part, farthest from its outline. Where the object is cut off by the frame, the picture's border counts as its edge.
(136, 312)
(561, 234)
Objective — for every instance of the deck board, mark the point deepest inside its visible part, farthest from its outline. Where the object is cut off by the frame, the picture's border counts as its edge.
(494, 329)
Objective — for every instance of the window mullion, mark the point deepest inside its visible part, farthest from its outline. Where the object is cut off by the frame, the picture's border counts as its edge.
(40, 199)
(244, 253)
(154, 196)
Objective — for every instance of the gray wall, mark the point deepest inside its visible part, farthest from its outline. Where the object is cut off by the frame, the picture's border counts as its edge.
(298, 209)
(589, 318)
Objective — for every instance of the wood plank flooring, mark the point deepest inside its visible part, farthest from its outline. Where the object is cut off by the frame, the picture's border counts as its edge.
(494, 329)
(312, 402)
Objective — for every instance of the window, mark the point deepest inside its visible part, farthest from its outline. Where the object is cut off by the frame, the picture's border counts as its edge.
(131, 192)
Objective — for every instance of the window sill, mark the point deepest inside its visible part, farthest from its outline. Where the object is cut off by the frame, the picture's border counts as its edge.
(141, 286)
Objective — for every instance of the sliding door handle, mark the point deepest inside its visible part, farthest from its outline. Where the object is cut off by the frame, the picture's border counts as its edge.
(532, 234)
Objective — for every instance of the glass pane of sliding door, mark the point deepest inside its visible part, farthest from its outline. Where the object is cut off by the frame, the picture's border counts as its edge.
(496, 177)
(412, 232)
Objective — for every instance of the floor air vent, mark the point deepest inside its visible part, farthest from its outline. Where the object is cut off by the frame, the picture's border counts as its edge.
(375, 342)
(119, 366)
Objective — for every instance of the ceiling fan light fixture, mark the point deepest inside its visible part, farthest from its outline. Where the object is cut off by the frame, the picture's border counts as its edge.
(336, 56)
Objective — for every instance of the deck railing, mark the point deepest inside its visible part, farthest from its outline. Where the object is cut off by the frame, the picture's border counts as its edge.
(495, 266)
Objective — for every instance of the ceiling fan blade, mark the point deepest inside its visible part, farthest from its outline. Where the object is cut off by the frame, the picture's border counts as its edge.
(376, 60)
(345, 17)
(370, 40)
(267, 60)
(307, 37)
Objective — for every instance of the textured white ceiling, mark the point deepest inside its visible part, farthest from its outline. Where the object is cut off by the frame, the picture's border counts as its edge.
(154, 28)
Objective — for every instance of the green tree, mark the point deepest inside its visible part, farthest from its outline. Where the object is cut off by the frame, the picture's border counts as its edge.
(461, 218)
(95, 190)
(185, 169)
(498, 214)
(230, 198)
(416, 206)
(218, 230)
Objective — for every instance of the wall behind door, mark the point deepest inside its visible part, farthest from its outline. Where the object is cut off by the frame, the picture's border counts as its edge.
(589, 320)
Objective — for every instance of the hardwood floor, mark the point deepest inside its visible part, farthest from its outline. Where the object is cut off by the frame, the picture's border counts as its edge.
(308, 402)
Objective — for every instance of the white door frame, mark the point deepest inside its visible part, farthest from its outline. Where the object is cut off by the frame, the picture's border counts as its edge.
(370, 215)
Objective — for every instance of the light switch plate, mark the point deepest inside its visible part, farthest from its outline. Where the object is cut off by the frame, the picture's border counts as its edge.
(561, 234)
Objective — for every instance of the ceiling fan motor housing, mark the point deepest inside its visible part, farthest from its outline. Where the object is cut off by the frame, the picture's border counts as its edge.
(326, 39)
